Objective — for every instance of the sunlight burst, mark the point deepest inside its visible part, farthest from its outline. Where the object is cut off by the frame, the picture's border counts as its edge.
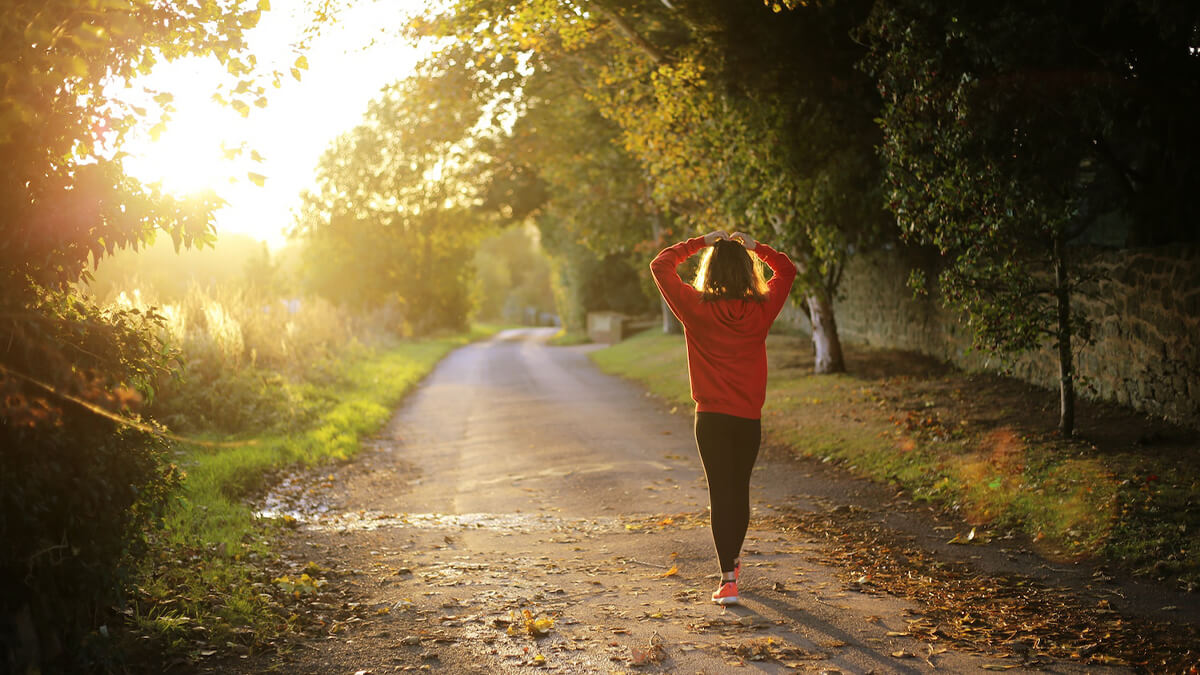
(200, 147)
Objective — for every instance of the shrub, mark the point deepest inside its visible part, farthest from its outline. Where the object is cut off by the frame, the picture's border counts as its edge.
(78, 487)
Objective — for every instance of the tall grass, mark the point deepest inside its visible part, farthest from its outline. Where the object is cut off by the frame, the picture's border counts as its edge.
(249, 362)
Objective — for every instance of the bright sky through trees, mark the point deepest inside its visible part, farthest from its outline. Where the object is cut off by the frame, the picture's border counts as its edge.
(349, 61)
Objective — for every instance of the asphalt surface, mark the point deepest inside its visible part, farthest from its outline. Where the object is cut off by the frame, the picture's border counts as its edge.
(519, 478)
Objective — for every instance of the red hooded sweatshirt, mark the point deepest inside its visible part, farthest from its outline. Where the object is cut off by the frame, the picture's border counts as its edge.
(726, 339)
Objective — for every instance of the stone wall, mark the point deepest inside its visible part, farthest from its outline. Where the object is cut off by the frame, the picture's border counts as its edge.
(1144, 310)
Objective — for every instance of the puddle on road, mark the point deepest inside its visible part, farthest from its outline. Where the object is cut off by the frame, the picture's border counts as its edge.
(492, 522)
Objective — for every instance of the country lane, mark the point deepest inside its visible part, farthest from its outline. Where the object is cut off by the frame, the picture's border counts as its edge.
(523, 511)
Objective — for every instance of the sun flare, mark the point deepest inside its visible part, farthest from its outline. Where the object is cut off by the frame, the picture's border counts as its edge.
(187, 159)
(200, 147)
(261, 161)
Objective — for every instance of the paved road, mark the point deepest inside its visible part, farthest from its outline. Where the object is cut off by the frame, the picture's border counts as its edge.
(518, 477)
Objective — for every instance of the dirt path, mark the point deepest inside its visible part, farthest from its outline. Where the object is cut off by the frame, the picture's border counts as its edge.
(518, 479)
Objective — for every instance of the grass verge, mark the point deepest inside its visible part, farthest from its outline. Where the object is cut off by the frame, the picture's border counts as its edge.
(1127, 490)
(206, 582)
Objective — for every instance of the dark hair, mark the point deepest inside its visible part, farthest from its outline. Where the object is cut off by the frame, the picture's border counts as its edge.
(728, 272)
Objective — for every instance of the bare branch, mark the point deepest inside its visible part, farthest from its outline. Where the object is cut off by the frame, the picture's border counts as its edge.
(625, 29)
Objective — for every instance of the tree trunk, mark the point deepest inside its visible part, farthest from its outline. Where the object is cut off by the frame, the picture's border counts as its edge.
(1066, 365)
(824, 335)
(670, 325)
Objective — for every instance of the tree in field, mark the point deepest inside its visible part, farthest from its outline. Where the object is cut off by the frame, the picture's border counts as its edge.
(737, 118)
(394, 217)
(76, 485)
(1010, 127)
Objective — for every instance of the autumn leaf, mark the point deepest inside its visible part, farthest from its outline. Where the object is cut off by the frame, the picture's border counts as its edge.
(671, 572)
(529, 623)
(959, 539)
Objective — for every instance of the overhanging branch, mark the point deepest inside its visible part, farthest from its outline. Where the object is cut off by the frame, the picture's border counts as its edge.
(630, 33)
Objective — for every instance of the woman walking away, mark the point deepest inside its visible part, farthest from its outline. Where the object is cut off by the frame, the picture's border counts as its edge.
(726, 314)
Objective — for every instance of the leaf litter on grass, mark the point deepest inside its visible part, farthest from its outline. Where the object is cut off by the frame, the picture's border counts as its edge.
(1010, 614)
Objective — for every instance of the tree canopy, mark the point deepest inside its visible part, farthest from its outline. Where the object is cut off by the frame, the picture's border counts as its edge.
(727, 115)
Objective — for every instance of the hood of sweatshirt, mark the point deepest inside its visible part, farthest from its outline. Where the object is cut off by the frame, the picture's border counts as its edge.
(743, 317)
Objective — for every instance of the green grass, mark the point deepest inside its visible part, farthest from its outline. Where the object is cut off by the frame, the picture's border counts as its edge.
(1137, 509)
(203, 583)
(658, 361)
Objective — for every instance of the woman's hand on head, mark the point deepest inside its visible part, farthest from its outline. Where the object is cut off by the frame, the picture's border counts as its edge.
(715, 236)
(745, 240)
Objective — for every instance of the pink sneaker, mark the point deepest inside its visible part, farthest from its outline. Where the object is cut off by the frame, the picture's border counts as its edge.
(727, 594)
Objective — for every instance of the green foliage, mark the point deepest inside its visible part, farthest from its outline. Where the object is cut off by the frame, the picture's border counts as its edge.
(65, 194)
(1005, 141)
(248, 359)
(769, 131)
(562, 166)
(677, 119)
(585, 282)
(591, 188)
(78, 502)
(393, 218)
(962, 157)
(77, 490)
(512, 275)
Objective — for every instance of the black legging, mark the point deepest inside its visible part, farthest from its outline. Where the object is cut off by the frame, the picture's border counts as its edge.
(728, 447)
